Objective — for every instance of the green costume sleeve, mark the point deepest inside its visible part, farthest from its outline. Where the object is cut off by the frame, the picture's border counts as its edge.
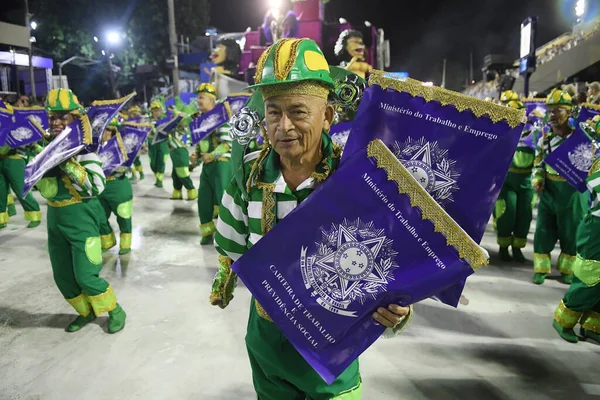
(538, 162)
(75, 172)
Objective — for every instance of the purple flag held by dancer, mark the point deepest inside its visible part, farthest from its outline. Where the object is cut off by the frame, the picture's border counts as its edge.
(134, 136)
(113, 154)
(573, 158)
(70, 142)
(339, 133)
(5, 123)
(237, 101)
(101, 112)
(386, 241)
(24, 130)
(167, 125)
(536, 113)
(208, 122)
(38, 113)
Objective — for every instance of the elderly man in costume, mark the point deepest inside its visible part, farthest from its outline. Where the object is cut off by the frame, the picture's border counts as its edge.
(72, 191)
(215, 154)
(158, 152)
(581, 303)
(135, 115)
(117, 198)
(293, 78)
(350, 51)
(513, 211)
(561, 207)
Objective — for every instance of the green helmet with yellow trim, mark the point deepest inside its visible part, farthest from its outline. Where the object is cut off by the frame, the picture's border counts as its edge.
(293, 66)
(509, 95)
(206, 88)
(156, 105)
(115, 123)
(559, 98)
(515, 104)
(62, 100)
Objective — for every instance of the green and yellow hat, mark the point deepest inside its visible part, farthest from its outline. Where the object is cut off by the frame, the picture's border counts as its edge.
(206, 88)
(293, 66)
(509, 95)
(156, 105)
(515, 104)
(115, 123)
(135, 109)
(62, 100)
(559, 98)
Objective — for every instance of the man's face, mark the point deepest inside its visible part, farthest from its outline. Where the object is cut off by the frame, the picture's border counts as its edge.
(59, 121)
(295, 124)
(355, 47)
(23, 101)
(559, 116)
(219, 54)
(156, 113)
(206, 102)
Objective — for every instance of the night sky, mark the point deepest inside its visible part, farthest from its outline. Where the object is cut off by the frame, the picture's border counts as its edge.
(425, 32)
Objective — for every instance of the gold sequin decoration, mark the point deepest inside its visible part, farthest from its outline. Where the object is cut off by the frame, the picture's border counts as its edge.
(87, 129)
(303, 88)
(114, 101)
(121, 145)
(430, 209)
(261, 311)
(461, 102)
(595, 167)
(260, 66)
(75, 197)
(282, 75)
(267, 220)
(591, 106)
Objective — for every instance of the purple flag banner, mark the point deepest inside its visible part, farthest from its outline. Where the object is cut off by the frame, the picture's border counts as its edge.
(24, 130)
(165, 126)
(70, 142)
(208, 122)
(385, 242)
(339, 133)
(573, 158)
(134, 136)
(100, 113)
(38, 113)
(536, 113)
(5, 123)
(113, 154)
(237, 101)
(457, 147)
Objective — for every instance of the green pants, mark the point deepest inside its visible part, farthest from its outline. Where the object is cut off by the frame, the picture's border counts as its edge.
(76, 257)
(181, 169)
(158, 154)
(513, 210)
(214, 179)
(12, 175)
(560, 211)
(280, 373)
(117, 198)
(137, 164)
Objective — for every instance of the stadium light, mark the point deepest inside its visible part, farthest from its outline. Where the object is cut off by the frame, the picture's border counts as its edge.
(113, 37)
(580, 8)
(33, 25)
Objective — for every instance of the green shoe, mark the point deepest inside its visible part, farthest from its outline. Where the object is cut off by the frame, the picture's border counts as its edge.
(206, 240)
(590, 335)
(3, 225)
(133, 178)
(33, 224)
(12, 210)
(80, 322)
(124, 251)
(566, 278)
(504, 254)
(158, 184)
(518, 255)
(539, 278)
(566, 333)
(116, 319)
(142, 176)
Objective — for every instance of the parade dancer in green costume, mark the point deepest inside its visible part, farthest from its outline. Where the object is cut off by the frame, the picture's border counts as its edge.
(581, 303)
(12, 175)
(117, 198)
(71, 190)
(181, 167)
(514, 210)
(215, 154)
(134, 114)
(159, 152)
(561, 207)
(298, 154)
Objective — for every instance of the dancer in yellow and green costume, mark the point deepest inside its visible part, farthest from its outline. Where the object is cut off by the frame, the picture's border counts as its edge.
(117, 198)
(135, 113)
(158, 152)
(293, 78)
(12, 175)
(72, 191)
(514, 209)
(180, 157)
(561, 207)
(215, 154)
(581, 303)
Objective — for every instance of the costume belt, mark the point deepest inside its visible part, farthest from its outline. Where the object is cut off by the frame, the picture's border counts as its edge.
(520, 170)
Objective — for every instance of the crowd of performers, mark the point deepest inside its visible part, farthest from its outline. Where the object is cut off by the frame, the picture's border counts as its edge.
(285, 171)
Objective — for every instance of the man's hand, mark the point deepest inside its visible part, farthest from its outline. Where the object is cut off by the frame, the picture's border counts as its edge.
(207, 158)
(391, 316)
(193, 159)
(218, 303)
(538, 186)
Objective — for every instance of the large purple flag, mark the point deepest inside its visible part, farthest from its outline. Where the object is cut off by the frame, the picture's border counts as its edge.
(100, 113)
(536, 113)
(134, 136)
(113, 154)
(339, 133)
(70, 142)
(167, 125)
(457, 147)
(24, 130)
(385, 242)
(237, 100)
(573, 158)
(5, 123)
(37, 113)
(208, 122)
